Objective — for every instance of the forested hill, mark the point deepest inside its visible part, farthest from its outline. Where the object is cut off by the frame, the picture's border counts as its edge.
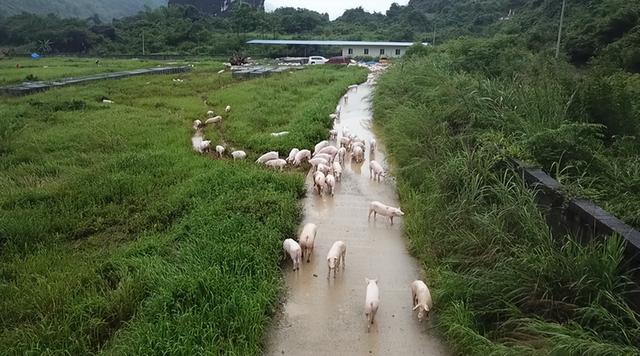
(608, 28)
(105, 9)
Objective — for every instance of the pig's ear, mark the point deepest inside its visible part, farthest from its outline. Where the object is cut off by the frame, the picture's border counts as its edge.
(416, 307)
(375, 281)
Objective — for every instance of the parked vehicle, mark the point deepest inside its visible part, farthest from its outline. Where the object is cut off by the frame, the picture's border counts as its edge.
(339, 60)
(317, 60)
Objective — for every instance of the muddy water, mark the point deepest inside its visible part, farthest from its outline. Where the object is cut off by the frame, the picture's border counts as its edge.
(323, 316)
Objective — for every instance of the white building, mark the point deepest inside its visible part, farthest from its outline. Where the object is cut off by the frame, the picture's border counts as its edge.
(349, 48)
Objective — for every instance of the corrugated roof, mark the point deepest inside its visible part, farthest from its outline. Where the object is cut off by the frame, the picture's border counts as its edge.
(332, 43)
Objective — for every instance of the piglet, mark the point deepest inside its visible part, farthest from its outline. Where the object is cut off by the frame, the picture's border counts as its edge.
(377, 207)
(292, 248)
(371, 301)
(335, 257)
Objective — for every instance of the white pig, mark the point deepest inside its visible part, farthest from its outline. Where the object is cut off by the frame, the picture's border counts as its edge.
(292, 248)
(301, 156)
(220, 150)
(213, 120)
(331, 183)
(306, 240)
(330, 150)
(341, 153)
(276, 163)
(316, 161)
(320, 145)
(421, 299)
(377, 207)
(268, 157)
(326, 156)
(319, 182)
(292, 155)
(324, 168)
(358, 154)
(337, 170)
(372, 145)
(375, 170)
(238, 155)
(335, 257)
(333, 134)
(371, 301)
(197, 124)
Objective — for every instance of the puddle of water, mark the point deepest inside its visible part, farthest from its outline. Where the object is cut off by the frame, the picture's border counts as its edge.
(323, 316)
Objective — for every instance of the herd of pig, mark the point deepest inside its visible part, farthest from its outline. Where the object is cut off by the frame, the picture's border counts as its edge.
(326, 164)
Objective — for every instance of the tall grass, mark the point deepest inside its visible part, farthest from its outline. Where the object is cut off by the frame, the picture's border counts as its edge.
(116, 238)
(503, 283)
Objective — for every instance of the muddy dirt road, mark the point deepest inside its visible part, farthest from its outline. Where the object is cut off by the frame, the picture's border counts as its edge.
(321, 316)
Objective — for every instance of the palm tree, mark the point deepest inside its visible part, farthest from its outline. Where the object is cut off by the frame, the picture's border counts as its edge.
(44, 46)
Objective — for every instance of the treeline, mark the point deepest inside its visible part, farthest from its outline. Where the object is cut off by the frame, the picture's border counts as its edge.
(607, 32)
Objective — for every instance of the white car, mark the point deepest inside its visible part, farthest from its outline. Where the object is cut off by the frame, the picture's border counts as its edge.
(317, 60)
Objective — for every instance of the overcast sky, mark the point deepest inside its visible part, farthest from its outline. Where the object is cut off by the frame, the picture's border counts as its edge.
(335, 8)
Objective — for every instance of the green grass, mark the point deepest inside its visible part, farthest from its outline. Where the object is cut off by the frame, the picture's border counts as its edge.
(116, 238)
(49, 68)
(502, 282)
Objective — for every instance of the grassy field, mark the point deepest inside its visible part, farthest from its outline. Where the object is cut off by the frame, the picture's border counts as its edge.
(502, 282)
(49, 68)
(116, 238)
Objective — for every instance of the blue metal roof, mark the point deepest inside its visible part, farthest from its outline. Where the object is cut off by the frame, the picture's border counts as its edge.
(333, 43)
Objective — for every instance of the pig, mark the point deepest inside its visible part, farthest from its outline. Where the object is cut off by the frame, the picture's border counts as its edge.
(371, 301)
(375, 170)
(292, 248)
(324, 168)
(220, 150)
(238, 155)
(333, 116)
(276, 163)
(345, 142)
(210, 113)
(325, 156)
(316, 161)
(372, 145)
(333, 134)
(268, 157)
(358, 154)
(421, 299)
(214, 120)
(306, 240)
(341, 153)
(292, 155)
(357, 143)
(319, 182)
(377, 207)
(197, 124)
(335, 257)
(331, 183)
(228, 108)
(346, 99)
(337, 171)
(320, 145)
(330, 150)
(301, 156)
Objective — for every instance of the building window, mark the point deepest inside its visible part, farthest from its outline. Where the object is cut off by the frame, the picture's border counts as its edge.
(366, 51)
(397, 51)
(350, 51)
(381, 51)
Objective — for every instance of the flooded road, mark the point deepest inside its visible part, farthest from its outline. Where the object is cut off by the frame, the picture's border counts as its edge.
(323, 316)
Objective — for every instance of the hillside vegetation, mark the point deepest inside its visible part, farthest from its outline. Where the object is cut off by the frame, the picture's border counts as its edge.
(606, 31)
(116, 237)
(104, 9)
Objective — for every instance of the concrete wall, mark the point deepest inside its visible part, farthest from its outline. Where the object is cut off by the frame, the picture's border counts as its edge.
(358, 51)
